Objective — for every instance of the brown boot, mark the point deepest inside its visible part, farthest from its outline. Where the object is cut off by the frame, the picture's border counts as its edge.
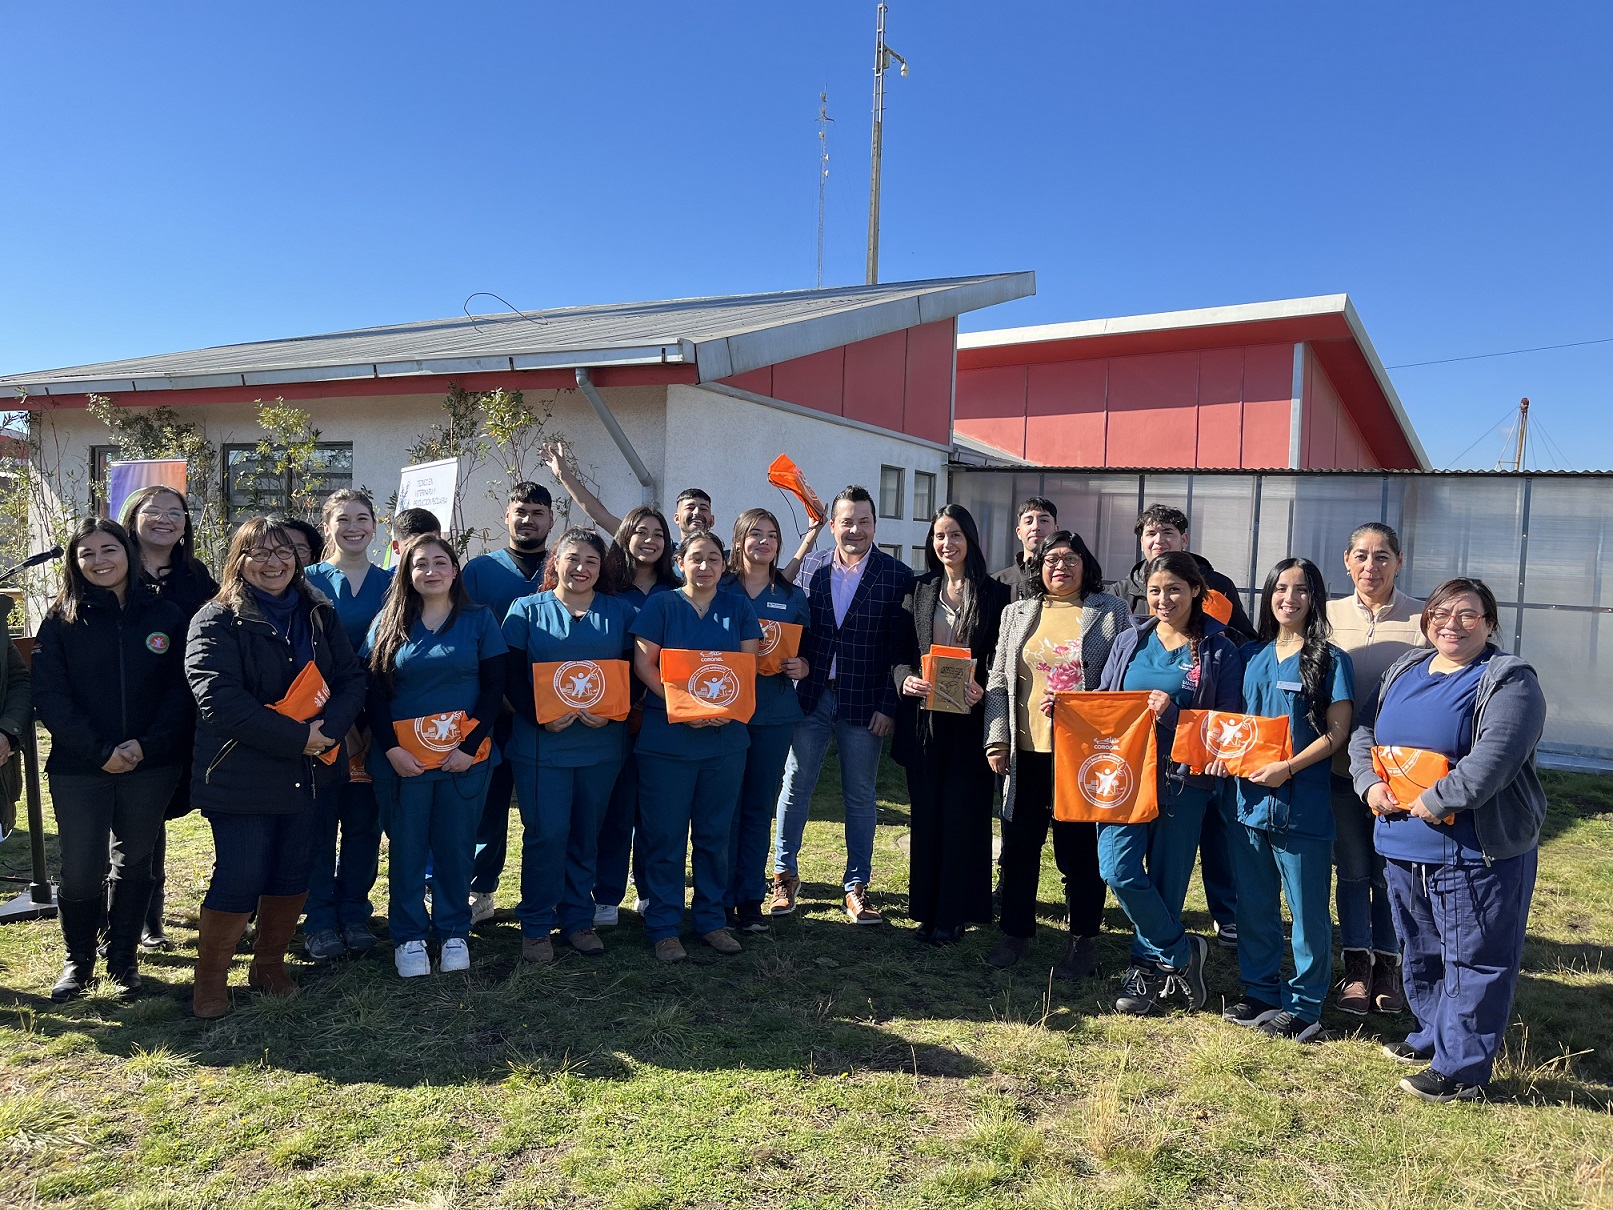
(1355, 989)
(1388, 991)
(277, 921)
(215, 948)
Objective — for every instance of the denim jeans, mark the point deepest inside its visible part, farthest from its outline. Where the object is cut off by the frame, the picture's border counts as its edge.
(560, 813)
(1298, 868)
(431, 817)
(1148, 867)
(684, 804)
(257, 855)
(345, 865)
(860, 750)
(107, 825)
(758, 797)
(1365, 918)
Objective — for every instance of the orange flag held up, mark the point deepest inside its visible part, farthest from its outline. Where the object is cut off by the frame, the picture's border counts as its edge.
(600, 687)
(780, 641)
(1408, 771)
(1247, 742)
(430, 739)
(303, 702)
(1104, 755)
(708, 684)
(784, 473)
(1217, 606)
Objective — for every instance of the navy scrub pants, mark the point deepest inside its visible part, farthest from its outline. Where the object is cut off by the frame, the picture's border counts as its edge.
(684, 803)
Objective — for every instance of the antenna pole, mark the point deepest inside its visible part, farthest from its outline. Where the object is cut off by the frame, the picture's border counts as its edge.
(881, 61)
(1523, 430)
(823, 170)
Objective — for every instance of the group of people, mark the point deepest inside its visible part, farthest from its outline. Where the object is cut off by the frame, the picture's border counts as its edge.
(310, 701)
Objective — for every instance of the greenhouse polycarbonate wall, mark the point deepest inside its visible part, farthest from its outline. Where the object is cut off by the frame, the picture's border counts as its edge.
(1543, 543)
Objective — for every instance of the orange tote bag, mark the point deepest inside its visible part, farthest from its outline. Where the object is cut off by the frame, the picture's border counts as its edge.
(600, 687)
(784, 473)
(303, 702)
(1217, 606)
(431, 738)
(708, 684)
(780, 641)
(1247, 742)
(1104, 755)
(1408, 771)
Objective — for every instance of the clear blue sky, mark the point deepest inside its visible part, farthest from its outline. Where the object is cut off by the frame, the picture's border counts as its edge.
(181, 175)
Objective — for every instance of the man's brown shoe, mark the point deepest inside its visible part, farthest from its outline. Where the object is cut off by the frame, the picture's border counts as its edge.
(537, 949)
(586, 941)
(1355, 988)
(785, 889)
(858, 908)
(1388, 991)
(670, 949)
(722, 941)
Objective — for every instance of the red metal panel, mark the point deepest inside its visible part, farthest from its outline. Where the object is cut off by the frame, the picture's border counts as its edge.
(816, 381)
(1221, 408)
(1067, 413)
(757, 382)
(1153, 420)
(876, 380)
(991, 407)
(1268, 383)
(1321, 412)
(1331, 326)
(927, 401)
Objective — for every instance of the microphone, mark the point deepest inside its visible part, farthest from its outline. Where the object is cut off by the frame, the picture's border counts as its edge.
(44, 556)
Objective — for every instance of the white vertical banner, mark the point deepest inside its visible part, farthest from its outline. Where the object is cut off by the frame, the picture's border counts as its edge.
(430, 485)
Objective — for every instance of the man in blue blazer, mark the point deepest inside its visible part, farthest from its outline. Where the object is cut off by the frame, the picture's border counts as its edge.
(855, 594)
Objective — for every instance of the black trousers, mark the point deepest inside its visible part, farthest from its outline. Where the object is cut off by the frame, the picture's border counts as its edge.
(106, 825)
(1075, 850)
(949, 785)
(255, 855)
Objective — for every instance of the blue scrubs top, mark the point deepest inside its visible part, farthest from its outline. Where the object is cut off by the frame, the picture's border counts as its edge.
(669, 620)
(1432, 710)
(1302, 805)
(1156, 667)
(776, 703)
(544, 628)
(636, 597)
(440, 671)
(355, 612)
(494, 580)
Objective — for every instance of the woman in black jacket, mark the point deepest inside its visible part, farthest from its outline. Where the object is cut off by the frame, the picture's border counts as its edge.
(277, 687)
(109, 686)
(955, 603)
(158, 520)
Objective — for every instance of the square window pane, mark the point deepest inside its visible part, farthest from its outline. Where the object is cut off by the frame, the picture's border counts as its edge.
(891, 482)
(923, 495)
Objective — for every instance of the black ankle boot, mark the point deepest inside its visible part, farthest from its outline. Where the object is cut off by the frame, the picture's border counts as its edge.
(130, 897)
(81, 924)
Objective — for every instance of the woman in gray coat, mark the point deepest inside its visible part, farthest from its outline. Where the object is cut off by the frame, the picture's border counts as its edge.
(1055, 641)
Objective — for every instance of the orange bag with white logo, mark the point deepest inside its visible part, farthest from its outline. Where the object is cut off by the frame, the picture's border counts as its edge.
(431, 738)
(1408, 771)
(1104, 756)
(708, 684)
(780, 641)
(303, 702)
(1247, 742)
(601, 687)
(1217, 606)
(784, 473)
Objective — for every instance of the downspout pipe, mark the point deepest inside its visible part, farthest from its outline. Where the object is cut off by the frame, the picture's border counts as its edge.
(585, 384)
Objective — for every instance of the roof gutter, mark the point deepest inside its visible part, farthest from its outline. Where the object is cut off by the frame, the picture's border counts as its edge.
(585, 384)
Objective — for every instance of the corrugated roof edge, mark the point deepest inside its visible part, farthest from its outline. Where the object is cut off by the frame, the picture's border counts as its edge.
(1030, 468)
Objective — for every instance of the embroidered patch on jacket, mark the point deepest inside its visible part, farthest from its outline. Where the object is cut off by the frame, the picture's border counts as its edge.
(157, 642)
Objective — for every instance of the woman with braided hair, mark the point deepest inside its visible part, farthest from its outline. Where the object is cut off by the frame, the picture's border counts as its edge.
(1182, 658)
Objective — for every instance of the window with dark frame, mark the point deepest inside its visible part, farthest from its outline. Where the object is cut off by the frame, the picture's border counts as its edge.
(101, 457)
(892, 481)
(253, 486)
(923, 495)
(917, 561)
(894, 551)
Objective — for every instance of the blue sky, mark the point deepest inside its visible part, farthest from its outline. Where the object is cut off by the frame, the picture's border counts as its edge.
(183, 175)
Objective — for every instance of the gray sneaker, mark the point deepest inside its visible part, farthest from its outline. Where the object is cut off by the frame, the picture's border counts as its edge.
(1189, 981)
(324, 946)
(358, 937)
(1140, 991)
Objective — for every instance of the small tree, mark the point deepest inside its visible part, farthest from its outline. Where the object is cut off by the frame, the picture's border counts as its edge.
(289, 450)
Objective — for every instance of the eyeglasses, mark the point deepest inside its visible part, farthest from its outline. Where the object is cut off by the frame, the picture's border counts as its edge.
(167, 514)
(1069, 560)
(1466, 619)
(264, 554)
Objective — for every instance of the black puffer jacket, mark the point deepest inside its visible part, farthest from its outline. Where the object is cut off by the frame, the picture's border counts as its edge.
(115, 674)
(249, 760)
(1133, 590)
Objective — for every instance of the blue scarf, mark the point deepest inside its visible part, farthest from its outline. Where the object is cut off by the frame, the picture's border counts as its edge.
(289, 614)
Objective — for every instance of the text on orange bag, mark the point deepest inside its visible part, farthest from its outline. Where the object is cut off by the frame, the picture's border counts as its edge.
(1104, 756)
(303, 702)
(780, 641)
(708, 684)
(784, 473)
(432, 737)
(1247, 742)
(601, 687)
(1408, 771)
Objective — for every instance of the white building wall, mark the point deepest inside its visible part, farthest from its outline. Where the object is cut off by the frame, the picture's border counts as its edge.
(724, 444)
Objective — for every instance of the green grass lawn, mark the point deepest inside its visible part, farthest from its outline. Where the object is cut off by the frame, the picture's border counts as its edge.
(827, 1066)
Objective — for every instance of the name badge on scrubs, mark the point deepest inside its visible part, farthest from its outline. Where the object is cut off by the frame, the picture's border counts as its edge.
(778, 605)
(1292, 686)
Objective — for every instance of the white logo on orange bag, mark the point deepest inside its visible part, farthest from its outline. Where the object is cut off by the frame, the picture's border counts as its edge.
(1105, 780)
(579, 683)
(438, 732)
(771, 634)
(714, 685)
(1225, 738)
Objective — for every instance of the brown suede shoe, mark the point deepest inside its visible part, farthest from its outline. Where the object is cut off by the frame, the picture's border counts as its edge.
(722, 941)
(1356, 987)
(586, 941)
(277, 921)
(670, 949)
(215, 949)
(785, 889)
(538, 949)
(1388, 989)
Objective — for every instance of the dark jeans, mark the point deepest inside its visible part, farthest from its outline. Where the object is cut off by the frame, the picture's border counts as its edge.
(493, 831)
(107, 825)
(257, 855)
(344, 869)
(1075, 850)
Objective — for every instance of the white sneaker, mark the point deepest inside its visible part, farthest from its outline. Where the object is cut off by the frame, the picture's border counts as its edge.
(481, 907)
(639, 904)
(605, 915)
(412, 960)
(455, 955)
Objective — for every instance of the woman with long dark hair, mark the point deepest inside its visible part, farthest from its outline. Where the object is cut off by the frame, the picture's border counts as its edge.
(257, 656)
(436, 662)
(347, 846)
(1182, 658)
(158, 521)
(955, 603)
(1057, 640)
(638, 565)
(1286, 809)
(109, 686)
(777, 603)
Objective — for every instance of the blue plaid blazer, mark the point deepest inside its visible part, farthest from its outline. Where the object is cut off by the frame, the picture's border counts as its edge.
(865, 647)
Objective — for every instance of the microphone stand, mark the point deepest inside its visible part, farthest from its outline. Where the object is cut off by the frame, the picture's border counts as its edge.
(38, 902)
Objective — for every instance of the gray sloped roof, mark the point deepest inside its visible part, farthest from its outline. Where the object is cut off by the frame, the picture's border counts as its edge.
(719, 336)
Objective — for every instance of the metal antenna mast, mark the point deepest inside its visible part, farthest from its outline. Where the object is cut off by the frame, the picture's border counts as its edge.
(823, 170)
(882, 60)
